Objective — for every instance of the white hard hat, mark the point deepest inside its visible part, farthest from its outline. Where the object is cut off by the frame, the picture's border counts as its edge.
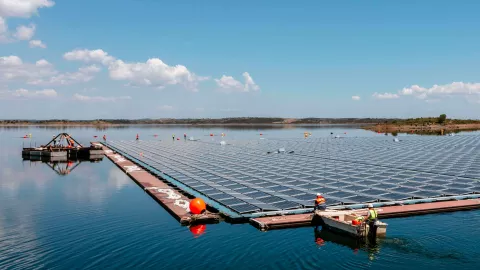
(319, 194)
(370, 205)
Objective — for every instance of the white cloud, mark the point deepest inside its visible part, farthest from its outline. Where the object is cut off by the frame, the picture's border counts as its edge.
(24, 93)
(84, 74)
(89, 56)
(355, 97)
(37, 44)
(22, 8)
(153, 73)
(42, 63)
(385, 95)
(13, 69)
(229, 84)
(19, 9)
(99, 98)
(452, 89)
(11, 60)
(25, 32)
(166, 108)
(3, 31)
(249, 83)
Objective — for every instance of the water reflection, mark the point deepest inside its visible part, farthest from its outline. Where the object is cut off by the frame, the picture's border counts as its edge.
(198, 230)
(61, 165)
(370, 246)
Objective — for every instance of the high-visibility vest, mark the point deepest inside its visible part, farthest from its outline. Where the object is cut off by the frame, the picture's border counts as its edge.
(373, 214)
(320, 200)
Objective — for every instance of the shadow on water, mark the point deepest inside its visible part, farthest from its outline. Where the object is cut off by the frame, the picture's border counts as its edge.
(373, 247)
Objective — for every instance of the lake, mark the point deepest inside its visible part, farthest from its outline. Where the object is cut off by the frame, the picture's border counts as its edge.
(95, 217)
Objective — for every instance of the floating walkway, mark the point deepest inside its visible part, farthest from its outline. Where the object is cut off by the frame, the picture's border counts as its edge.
(263, 178)
(172, 199)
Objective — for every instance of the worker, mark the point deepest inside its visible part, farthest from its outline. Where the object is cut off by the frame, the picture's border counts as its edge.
(173, 137)
(185, 136)
(105, 137)
(372, 217)
(320, 202)
(137, 137)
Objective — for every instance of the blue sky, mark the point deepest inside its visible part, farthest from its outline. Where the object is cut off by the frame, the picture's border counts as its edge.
(85, 59)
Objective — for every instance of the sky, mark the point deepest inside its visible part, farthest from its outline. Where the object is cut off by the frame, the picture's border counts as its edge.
(91, 59)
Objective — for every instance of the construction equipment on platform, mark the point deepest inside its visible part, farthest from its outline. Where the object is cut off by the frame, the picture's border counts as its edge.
(63, 146)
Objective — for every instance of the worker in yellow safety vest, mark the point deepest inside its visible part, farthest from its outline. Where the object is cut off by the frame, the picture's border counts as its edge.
(372, 213)
(372, 218)
(320, 202)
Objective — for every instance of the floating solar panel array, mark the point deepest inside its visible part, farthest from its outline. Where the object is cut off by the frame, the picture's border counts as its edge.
(250, 177)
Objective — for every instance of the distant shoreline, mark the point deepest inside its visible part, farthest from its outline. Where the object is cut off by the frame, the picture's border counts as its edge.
(383, 125)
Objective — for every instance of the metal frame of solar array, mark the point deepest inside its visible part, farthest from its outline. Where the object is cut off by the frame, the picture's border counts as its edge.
(244, 178)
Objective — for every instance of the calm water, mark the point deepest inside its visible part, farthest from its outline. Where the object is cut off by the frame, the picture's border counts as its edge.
(96, 217)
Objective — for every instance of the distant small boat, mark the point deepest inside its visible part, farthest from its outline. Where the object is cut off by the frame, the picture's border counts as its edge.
(341, 222)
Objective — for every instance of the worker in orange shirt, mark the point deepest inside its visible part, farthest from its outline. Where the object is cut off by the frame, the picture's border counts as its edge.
(320, 202)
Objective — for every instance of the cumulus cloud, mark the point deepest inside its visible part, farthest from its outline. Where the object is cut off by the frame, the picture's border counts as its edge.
(153, 73)
(385, 95)
(25, 32)
(355, 97)
(13, 69)
(83, 98)
(37, 44)
(42, 63)
(22, 8)
(89, 56)
(452, 89)
(230, 84)
(19, 9)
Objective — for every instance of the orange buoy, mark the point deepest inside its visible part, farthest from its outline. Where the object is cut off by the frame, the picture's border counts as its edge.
(197, 206)
(198, 229)
(211, 134)
(261, 134)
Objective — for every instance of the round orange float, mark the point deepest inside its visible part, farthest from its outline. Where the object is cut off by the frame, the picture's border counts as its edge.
(197, 206)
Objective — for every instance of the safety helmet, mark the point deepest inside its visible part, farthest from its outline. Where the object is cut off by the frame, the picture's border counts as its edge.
(319, 194)
(370, 205)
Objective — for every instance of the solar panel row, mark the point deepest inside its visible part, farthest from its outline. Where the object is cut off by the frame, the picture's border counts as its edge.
(245, 178)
